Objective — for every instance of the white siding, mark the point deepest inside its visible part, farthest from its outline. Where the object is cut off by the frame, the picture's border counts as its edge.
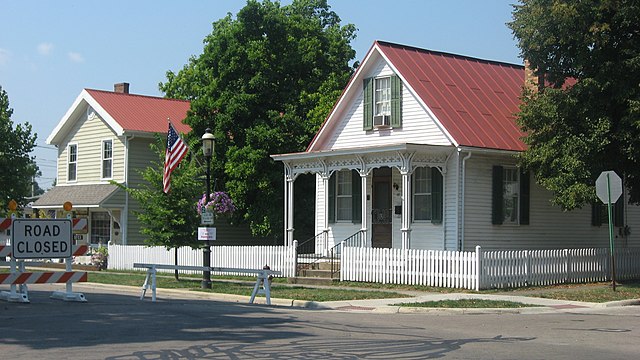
(140, 157)
(88, 134)
(550, 227)
(417, 126)
(451, 202)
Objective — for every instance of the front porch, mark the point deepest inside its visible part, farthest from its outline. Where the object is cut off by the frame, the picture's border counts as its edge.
(392, 196)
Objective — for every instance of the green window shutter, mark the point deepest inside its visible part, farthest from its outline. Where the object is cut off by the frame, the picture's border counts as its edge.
(618, 212)
(436, 196)
(497, 215)
(356, 197)
(367, 123)
(525, 191)
(332, 198)
(596, 214)
(396, 101)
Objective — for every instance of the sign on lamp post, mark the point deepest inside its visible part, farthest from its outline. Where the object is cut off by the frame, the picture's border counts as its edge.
(609, 189)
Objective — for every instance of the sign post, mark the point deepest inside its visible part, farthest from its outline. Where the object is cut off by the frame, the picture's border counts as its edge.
(609, 189)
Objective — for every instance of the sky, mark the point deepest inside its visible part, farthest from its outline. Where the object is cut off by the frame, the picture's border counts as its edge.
(51, 50)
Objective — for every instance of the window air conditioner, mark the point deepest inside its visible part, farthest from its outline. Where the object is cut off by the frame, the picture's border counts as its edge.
(381, 121)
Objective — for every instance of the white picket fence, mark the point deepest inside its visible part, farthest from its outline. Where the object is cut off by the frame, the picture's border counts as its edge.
(453, 269)
(279, 258)
(485, 269)
(474, 270)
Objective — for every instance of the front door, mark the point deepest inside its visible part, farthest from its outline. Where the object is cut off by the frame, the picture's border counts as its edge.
(381, 208)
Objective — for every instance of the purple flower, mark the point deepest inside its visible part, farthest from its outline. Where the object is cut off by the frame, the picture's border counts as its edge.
(219, 201)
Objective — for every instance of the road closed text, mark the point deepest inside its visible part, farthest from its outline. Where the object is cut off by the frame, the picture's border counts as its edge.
(41, 247)
(41, 238)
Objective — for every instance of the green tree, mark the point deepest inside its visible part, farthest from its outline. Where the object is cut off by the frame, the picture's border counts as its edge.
(169, 220)
(586, 117)
(18, 167)
(264, 83)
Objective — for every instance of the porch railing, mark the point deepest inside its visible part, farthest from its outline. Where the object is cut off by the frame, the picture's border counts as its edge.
(306, 252)
(355, 240)
(307, 257)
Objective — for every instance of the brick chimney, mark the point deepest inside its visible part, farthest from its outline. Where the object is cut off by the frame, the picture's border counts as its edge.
(531, 80)
(122, 88)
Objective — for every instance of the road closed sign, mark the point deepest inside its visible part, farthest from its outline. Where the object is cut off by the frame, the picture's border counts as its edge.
(41, 238)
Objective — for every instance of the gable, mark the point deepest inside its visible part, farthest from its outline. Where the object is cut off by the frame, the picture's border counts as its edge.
(344, 127)
(87, 133)
(446, 99)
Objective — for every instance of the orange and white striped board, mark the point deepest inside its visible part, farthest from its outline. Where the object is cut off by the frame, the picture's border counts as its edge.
(79, 224)
(78, 250)
(5, 223)
(49, 277)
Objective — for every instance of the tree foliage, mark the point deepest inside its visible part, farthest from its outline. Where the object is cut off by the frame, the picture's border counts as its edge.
(264, 83)
(169, 220)
(587, 117)
(18, 167)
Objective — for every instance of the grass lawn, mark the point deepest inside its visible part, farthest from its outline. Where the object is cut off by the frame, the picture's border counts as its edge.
(596, 292)
(467, 303)
(243, 286)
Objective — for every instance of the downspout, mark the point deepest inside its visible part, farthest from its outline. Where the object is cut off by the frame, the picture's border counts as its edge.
(462, 210)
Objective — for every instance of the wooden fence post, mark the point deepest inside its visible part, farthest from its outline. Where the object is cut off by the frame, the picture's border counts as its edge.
(478, 267)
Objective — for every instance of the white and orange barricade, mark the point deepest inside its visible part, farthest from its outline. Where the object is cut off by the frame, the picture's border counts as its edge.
(18, 278)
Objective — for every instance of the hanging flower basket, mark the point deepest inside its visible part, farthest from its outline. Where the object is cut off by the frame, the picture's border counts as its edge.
(219, 203)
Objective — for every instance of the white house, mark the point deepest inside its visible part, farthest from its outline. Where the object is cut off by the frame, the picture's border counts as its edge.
(419, 152)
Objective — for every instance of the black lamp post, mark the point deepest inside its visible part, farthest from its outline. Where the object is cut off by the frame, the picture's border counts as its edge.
(208, 143)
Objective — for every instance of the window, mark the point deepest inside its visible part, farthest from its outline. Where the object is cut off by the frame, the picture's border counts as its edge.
(600, 213)
(107, 159)
(382, 97)
(72, 162)
(382, 106)
(345, 197)
(510, 196)
(427, 195)
(421, 194)
(100, 228)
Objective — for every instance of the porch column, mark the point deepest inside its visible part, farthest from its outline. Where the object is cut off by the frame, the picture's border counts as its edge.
(325, 231)
(405, 171)
(289, 205)
(406, 209)
(363, 197)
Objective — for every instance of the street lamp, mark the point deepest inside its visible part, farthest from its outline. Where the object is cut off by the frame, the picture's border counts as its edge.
(208, 143)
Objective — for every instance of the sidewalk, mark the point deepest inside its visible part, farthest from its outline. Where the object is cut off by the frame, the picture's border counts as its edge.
(385, 306)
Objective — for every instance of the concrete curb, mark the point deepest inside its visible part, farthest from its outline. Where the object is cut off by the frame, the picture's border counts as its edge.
(383, 306)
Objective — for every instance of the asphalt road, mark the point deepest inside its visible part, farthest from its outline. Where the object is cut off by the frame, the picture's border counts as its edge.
(117, 325)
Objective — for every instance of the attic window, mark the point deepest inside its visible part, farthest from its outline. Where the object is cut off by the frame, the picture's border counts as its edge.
(91, 113)
(382, 102)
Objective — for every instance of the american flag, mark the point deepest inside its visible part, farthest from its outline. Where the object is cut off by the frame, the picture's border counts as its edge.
(176, 150)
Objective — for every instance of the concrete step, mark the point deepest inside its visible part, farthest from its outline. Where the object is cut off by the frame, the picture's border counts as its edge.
(315, 273)
(311, 281)
(320, 265)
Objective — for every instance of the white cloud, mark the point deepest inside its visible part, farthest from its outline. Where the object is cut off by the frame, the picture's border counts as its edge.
(4, 56)
(76, 57)
(45, 48)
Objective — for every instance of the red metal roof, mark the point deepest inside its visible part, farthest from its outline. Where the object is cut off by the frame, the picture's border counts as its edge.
(475, 100)
(143, 113)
